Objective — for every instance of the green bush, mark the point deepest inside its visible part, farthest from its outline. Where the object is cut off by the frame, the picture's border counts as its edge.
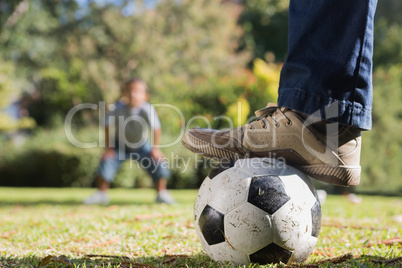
(48, 159)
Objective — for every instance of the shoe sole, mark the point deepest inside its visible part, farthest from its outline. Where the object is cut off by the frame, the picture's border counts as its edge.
(332, 175)
(339, 175)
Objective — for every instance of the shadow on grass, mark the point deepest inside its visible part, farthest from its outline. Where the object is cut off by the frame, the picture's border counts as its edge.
(10, 196)
(198, 260)
(27, 203)
(92, 261)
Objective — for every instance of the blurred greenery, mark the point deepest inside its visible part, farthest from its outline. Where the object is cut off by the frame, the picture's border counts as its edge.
(265, 24)
(381, 154)
(55, 55)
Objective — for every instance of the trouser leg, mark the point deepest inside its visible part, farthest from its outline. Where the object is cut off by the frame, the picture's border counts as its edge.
(329, 60)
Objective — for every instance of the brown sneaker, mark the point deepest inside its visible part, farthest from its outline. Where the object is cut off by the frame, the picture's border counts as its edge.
(282, 133)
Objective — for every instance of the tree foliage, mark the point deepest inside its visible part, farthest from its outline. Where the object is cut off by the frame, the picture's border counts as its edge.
(265, 24)
(74, 54)
(388, 33)
(381, 154)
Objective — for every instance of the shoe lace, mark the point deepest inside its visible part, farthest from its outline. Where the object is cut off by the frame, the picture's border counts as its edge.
(267, 113)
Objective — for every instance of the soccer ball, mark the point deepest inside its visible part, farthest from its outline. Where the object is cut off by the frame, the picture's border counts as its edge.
(260, 210)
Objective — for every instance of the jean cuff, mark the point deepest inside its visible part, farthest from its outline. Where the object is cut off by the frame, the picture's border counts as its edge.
(342, 111)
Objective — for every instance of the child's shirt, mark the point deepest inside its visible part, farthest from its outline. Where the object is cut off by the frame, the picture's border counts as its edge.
(132, 125)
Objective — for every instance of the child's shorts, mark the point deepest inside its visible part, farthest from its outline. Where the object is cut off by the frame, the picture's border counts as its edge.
(140, 156)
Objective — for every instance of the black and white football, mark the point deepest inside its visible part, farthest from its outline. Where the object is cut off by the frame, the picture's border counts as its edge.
(260, 210)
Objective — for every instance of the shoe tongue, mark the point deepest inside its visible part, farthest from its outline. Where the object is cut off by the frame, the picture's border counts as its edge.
(271, 104)
(271, 107)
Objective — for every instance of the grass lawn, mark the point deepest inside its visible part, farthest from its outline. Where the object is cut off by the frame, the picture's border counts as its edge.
(135, 232)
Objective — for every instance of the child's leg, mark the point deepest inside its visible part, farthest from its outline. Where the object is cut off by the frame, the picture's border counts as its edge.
(108, 168)
(159, 172)
(161, 184)
(102, 184)
(106, 172)
(159, 176)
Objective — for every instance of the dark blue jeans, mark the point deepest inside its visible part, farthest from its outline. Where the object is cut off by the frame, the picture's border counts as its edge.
(329, 62)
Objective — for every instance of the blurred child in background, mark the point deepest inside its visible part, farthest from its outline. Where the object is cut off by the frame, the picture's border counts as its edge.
(127, 130)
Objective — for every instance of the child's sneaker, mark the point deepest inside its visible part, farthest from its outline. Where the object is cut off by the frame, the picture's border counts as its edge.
(98, 198)
(165, 198)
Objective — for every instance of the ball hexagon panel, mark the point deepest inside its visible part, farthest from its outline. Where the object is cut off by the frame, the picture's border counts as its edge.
(211, 225)
(248, 228)
(316, 219)
(202, 198)
(201, 238)
(229, 190)
(301, 254)
(260, 166)
(299, 187)
(222, 167)
(271, 254)
(293, 225)
(224, 252)
(267, 192)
